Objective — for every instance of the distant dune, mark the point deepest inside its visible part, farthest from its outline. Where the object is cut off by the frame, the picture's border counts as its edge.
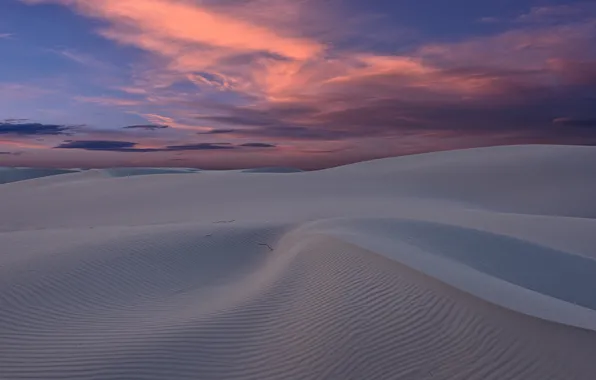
(8, 175)
(272, 170)
(127, 172)
(471, 264)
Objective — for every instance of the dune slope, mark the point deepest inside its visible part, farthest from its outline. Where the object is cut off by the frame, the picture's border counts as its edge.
(472, 264)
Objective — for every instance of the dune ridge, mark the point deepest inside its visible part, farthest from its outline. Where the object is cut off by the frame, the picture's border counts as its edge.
(423, 267)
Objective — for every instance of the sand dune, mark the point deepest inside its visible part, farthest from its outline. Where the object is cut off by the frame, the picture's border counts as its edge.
(272, 170)
(8, 175)
(471, 264)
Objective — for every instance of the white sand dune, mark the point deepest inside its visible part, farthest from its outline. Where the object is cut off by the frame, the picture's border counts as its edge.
(272, 170)
(472, 264)
(127, 172)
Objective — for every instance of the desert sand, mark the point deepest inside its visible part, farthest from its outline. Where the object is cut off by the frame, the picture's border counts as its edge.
(477, 264)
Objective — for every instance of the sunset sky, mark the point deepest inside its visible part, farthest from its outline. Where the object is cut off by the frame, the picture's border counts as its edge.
(304, 83)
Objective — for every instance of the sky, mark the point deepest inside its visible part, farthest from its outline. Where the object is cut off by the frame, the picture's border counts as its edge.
(222, 84)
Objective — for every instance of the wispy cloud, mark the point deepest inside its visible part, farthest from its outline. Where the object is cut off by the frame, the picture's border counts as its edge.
(558, 13)
(192, 36)
(179, 124)
(199, 146)
(235, 46)
(19, 91)
(158, 119)
(84, 59)
(10, 141)
(110, 102)
(489, 20)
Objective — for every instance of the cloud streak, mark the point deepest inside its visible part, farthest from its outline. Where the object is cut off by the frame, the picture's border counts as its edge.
(110, 102)
(101, 145)
(217, 132)
(147, 127)
(193, 38)
(575, 122)
(257, 145)
(132, 147)
(22, 128)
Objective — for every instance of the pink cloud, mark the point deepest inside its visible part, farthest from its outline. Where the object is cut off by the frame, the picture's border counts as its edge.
(19, 91)
(259, 48)
(237, 47)
(201, 37)
(522, 48)
(21, 144)
(296, 85)
(143, 22)
(197, 41)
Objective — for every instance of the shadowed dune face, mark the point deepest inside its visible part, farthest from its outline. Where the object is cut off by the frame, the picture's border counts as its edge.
(473, 264)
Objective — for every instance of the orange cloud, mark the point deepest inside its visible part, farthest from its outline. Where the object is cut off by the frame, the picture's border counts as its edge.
(195, 39)
(238, 48)
(291, 81)
(185, 22)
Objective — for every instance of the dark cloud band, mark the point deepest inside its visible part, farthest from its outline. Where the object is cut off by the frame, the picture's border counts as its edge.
(128, 146)
(20, 128)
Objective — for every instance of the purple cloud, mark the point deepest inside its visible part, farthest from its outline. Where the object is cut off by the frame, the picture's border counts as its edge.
(18, 127)
(147, 127)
